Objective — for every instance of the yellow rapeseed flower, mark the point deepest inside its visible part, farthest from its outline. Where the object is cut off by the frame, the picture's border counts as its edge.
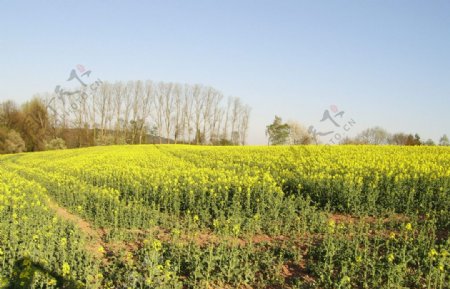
(391, 258)
(408, 227)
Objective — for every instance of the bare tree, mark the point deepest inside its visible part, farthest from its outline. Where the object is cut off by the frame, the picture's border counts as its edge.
(235, 118)
(158, 106)
(135, 122)
(243, 131)
(216, 118)
(102, 106)
(167, 109)
(126, 112)
(147, 100)
(209, 101)
(298, 134)
(119, 95)
(227, 117)
(188, 110)
(178, 112)
(127, 109)
(375, 135)
(199, 101)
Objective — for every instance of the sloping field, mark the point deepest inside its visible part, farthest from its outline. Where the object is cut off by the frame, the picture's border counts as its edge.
(179, 216)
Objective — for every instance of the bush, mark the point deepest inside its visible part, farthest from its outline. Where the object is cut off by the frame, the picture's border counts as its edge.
(11, 142)
(56, 144)
(104, 140)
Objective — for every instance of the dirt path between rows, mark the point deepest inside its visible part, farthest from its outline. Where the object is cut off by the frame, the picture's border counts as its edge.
(94, 237)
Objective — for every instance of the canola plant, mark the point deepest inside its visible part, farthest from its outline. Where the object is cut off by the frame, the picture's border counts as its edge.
(179, 216)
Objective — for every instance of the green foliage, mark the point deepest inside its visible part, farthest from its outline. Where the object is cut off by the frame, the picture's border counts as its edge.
(443, 141)
(177, 216)
(278, 132)
(11, 142)
(104, 140)
(56, 144)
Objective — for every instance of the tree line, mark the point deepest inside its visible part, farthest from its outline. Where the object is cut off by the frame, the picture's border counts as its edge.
(379, 136)
(289, 133)
(135, 112)
(293, 133)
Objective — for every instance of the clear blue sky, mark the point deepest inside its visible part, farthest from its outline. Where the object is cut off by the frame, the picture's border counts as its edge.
(384, 63)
